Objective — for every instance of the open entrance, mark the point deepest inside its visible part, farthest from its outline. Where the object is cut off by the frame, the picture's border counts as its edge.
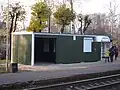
(45, 50)
(104, 47)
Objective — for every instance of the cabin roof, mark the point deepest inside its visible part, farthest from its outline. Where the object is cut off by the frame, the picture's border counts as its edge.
(98, 38)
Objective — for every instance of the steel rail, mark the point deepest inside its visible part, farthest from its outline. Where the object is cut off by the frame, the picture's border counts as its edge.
(82, 82)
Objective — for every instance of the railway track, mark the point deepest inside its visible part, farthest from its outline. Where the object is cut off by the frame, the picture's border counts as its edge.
(111, 82)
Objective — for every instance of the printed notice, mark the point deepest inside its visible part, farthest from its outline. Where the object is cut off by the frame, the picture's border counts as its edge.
(87, 45)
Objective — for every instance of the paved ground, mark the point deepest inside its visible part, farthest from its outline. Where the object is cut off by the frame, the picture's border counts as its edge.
(49, 71)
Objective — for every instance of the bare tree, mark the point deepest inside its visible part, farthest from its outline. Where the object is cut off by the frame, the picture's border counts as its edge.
(51, 5)
(85, 21)
(99, 21)
(16, 13)
(112, 15)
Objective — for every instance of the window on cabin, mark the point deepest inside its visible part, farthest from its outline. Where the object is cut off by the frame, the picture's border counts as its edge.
(87, 45)
(46, 45)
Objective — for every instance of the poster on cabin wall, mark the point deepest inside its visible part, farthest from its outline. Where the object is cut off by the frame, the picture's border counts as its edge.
(87, 45)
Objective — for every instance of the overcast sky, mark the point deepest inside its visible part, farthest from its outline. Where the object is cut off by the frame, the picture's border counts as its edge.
(95, 6)
(86, 6)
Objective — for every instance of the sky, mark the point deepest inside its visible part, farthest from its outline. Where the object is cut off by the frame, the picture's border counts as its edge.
(80, 6)
(87, 6)
(94, 6)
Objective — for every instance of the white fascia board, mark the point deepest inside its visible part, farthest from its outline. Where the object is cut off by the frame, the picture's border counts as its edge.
(22, 33)
(63, 34)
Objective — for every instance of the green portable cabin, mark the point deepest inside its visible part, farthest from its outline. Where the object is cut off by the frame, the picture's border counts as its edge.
(31, 48)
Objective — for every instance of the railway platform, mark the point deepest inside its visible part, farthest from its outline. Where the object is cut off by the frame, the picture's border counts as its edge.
(47, 71)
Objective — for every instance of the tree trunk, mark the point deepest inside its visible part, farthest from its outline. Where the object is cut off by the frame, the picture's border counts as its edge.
(81, 28)
(15, 23)
(34, 30)
(40, 25)
(10, 39)
(62, 29)
(85, 28)
(11, 29)
(49, 24)
(11, 26)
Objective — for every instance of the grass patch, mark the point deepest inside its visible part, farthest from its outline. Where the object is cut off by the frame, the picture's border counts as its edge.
(2, 69)
(4, 61)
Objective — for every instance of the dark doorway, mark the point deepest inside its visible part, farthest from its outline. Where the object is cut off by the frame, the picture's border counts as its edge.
(45, 50)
